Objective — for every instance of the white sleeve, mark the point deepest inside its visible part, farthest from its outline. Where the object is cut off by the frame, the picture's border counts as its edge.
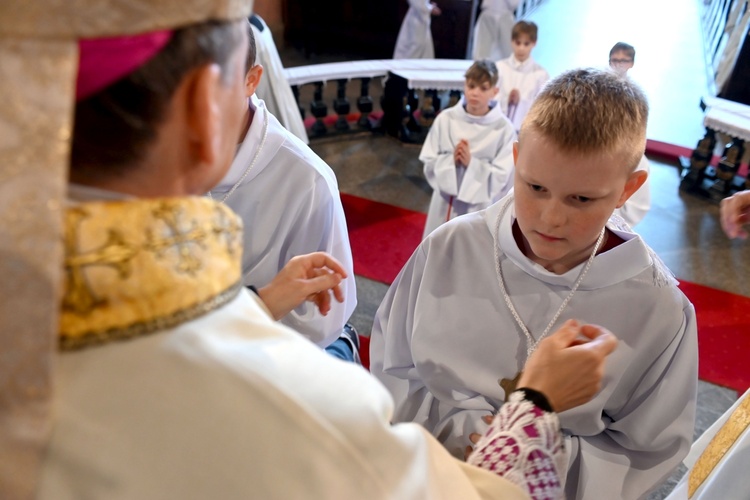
(437, 157)
(322, 228)
(485, 181)
(648, 437)
(392, 362)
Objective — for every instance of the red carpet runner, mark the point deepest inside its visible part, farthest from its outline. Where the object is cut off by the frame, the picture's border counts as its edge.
(383, 238)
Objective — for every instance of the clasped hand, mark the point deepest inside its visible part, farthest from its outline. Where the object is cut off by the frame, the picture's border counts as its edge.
(462, 154)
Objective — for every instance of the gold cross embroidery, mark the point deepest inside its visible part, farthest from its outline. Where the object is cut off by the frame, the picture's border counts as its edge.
(79, 297)
(178, 239)
(228, 228)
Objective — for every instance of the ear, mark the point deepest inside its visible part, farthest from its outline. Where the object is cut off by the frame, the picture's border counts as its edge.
(515, 152)
(252, 79)
(495, 90)
(202, 113)
(635, 181)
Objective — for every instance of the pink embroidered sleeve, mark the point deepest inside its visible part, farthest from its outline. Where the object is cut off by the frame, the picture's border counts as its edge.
(525, 446)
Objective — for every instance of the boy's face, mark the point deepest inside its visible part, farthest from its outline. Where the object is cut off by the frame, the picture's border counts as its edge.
(620, 62)
(563, 200)
(522, 46)
(478, 96)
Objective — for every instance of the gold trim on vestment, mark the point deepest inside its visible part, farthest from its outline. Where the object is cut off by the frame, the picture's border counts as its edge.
(721, 443)
(140, 266)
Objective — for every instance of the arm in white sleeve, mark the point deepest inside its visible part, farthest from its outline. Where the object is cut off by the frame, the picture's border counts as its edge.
(647, 438)
(437, 157)
(322, 228)
(450, 419)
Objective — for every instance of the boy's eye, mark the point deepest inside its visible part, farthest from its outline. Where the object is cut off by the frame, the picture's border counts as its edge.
(536, 187)
(582, 199)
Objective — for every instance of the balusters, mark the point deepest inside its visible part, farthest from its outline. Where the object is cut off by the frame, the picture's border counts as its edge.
(727, 169)
(699, 161)
(319, 110)
(364, 105)
(341, 106)
(295, 91)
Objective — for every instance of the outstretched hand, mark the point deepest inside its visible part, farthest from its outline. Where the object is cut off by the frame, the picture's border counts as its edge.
(568, 366)
(735, 213)
(312, 277)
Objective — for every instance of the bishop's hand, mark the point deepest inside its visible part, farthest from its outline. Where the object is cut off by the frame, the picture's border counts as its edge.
(568, 366)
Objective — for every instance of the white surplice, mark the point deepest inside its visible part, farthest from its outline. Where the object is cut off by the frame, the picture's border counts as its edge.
(290, 205)
(492, 33)
(274, 88)
(729, 478)
(487, 178)
(234, 405)
(444, 336)
(528, 77)
(638, 205)
(414, 39)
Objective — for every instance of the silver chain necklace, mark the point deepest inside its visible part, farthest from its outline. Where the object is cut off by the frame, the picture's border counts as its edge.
(252, 163)
(532, 344)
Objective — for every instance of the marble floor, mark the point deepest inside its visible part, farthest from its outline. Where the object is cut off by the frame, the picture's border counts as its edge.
(682, 229)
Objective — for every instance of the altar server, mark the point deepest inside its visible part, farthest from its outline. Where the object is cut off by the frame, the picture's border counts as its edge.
(468, 153)
(290, 197)
(456, 327)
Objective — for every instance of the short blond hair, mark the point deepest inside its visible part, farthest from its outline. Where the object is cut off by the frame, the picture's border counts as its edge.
(591, 111)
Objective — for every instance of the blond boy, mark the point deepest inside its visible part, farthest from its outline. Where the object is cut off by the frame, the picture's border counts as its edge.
(457, 326)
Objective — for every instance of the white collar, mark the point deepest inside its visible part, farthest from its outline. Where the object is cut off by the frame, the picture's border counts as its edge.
(609, 268)
(248, 148)
(493, 115)
(516, 64)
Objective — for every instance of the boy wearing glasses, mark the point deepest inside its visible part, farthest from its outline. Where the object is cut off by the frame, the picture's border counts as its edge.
(621, 58)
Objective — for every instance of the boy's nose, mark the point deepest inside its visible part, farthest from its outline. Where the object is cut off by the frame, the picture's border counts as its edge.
(553, 214)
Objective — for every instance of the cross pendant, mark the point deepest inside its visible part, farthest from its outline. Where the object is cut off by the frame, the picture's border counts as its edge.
(508, 385)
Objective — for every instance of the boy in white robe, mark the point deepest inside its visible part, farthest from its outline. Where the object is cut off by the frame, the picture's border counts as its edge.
(455, 328)
(274, 89)
(621, 59)
(273, 172)
(173, 381)
(521, 77)
(414, 39)
(468, 153)
(494, 25)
